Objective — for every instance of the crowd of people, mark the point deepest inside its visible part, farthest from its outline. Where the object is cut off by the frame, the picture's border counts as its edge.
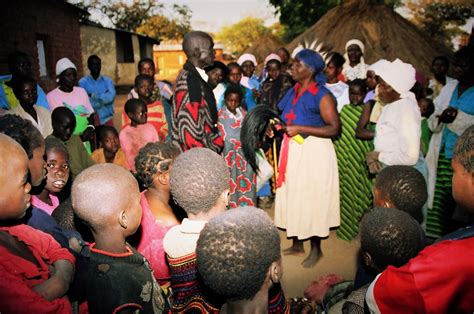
(162, 212)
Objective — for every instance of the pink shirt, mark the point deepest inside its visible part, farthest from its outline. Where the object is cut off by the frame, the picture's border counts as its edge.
(151, 243)
(133, 139)
(77, 101)
(36, 202)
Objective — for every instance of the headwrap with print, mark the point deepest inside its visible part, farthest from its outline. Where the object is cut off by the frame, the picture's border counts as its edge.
(315, 62)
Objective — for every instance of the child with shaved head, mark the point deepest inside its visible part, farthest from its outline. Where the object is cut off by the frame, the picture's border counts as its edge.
(239, 257)
(35, 271)
(115, 277)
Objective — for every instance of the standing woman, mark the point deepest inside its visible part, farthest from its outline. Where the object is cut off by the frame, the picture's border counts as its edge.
(356, 67)
(307, 198)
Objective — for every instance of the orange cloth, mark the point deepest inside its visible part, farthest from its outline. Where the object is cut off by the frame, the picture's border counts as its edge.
(120, 159)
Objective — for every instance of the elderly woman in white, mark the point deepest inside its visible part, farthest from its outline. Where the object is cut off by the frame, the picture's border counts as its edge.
(398, 130)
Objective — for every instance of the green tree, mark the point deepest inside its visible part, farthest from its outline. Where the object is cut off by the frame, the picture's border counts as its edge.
(240, 36)
(143, 16)
(441, 21)
(160, 27)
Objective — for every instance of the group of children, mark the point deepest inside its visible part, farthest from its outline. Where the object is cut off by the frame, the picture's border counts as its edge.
(104, 233)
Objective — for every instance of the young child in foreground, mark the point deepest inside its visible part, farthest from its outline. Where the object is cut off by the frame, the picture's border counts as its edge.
(389, 237)
(136, 135)
(441, 278)
(114, 276)
(109, 150)
(246, 261)
(199, 183)
(35, 270)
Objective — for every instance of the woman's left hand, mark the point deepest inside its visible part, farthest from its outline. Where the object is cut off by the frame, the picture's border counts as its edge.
(292, 130)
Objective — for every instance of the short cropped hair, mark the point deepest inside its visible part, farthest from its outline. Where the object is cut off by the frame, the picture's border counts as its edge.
(405, 187)
(17, 85)
(22, 131)
(464, 149)
(132, 104)
(198, 178)
(233, 89)
(103, 130)
(154, 158)
(390, 236)
(274, 61)
(235, 250)
(145, 60)
(101, 191)
(337, 59)
(92, 57)
(143, 77)
(53, 143)
(233, 65)
(359, 82)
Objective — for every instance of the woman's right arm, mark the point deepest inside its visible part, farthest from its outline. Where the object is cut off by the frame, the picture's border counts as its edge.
(362, 132)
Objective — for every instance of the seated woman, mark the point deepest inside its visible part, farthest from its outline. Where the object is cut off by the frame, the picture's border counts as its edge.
(245, 263)
(153, 164)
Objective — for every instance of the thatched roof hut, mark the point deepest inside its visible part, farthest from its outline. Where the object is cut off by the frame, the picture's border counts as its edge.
(384, 32)
(264, 46)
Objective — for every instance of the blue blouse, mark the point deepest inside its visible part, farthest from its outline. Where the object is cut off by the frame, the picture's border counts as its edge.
(464, 103)
(303, 110)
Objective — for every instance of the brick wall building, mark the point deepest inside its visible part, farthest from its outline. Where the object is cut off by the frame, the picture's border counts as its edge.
(46, 30)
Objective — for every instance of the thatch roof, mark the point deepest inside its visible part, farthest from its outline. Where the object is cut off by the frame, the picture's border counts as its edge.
(264, 46)
(384, 32)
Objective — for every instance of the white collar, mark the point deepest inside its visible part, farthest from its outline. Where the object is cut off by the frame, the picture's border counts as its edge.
(202, 73)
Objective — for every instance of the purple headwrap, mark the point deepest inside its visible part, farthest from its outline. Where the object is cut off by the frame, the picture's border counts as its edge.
(315, 62)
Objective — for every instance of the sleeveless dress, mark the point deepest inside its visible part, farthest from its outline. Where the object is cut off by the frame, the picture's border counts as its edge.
(307, 203)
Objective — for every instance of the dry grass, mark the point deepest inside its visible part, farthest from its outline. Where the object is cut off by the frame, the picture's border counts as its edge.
(385, 34)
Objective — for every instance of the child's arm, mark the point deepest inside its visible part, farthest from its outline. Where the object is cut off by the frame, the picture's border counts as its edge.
(58, 284)
(362, 132)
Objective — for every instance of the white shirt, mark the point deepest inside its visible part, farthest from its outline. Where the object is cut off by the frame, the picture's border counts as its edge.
(203, 74)
(181, 240)
(397, 133)
(44, 118)
(340, 90)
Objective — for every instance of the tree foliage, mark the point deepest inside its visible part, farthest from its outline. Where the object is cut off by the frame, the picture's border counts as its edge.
(240, 36)
(299, 15)
(160, 27)
(441, 20)
(143, 16)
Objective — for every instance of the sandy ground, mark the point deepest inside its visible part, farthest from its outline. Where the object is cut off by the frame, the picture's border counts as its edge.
(339, 257)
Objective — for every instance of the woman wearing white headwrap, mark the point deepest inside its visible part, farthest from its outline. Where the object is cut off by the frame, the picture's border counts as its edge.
(356, 67)
(67, 94)
(398, 130)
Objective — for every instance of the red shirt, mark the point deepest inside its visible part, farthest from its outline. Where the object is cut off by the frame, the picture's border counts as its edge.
(439, 280)
(19, 276)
